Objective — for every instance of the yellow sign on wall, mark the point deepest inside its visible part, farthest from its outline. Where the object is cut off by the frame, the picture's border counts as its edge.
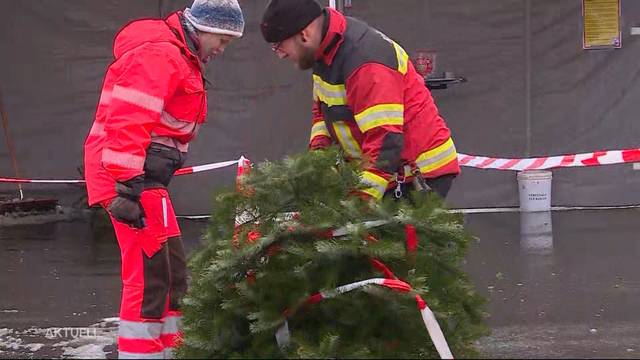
(601, 20)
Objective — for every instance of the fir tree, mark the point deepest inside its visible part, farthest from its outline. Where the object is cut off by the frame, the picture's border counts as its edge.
(247, 281)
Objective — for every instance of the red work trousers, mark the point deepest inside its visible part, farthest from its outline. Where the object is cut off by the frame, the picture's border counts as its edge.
(153, 280)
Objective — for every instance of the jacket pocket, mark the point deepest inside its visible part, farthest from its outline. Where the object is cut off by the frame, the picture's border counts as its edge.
(161, 162)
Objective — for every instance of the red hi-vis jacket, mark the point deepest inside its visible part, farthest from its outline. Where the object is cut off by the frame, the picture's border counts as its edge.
(153, 92)
(369, 98)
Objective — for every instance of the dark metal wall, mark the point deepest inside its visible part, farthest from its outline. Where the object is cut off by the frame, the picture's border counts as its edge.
(532, 90)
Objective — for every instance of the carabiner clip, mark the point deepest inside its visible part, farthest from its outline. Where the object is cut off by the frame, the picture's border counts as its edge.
(398, 191)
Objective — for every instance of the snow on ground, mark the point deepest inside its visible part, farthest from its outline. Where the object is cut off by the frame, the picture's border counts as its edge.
(89, 342)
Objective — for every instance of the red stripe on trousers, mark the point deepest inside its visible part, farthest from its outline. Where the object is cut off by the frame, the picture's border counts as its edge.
(140, 346)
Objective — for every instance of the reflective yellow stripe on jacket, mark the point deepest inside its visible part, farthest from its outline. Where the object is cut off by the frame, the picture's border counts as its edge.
(375, 185)
(329, 94)
(319, 129)
(346, 140)
(403, 58)
(436, 158)
(380, 115)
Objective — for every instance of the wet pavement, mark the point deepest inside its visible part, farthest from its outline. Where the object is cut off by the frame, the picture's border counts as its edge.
(562, 284)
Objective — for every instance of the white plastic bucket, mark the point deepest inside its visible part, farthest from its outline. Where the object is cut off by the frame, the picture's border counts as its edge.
(535, 190)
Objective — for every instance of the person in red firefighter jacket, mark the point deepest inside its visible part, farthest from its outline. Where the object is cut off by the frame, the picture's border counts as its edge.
(368, 98)
(153, 102)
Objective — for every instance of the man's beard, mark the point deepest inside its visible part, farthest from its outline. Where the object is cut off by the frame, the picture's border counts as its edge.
(307, 60)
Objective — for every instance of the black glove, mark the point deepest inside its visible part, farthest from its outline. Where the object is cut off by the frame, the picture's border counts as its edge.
(126, 207)
(420, 182)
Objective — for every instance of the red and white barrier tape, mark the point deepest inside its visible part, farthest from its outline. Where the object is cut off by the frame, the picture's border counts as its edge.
(207, 167)
(32, 181)
(183, 171)
(433, 328)
(597, 158)
(429, 319)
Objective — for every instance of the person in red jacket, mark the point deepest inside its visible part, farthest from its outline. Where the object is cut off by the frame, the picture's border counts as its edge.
(152, 105)
(368, 98)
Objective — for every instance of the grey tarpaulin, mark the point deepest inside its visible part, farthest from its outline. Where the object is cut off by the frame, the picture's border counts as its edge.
(532, 90)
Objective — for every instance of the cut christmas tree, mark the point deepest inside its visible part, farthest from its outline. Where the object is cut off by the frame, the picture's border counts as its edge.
(274, 286)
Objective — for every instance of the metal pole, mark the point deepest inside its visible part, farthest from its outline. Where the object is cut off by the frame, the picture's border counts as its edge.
(12, 151)
(337, 4)
(527, 80)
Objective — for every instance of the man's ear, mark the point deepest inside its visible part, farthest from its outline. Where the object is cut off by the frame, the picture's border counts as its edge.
(307, 33)
(304, 35)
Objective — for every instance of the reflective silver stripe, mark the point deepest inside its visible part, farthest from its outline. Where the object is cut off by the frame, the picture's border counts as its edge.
(346, 139)
(138, 98)
(185, 127)
(172, 325)
(319, 129)
(443, 155)
(130, 355)
(105, 97)
(392, 117)
(125, 160)
(381, 114)
(171, 142)
(378, 184)
(139, 330)
(331, 94)
(97, 128)
(164, 211)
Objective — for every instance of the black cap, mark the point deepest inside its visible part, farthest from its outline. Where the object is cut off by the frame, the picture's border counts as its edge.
(284, 18)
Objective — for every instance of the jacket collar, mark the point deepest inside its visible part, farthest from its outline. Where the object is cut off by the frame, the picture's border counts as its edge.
(336, 25)
(173, 21)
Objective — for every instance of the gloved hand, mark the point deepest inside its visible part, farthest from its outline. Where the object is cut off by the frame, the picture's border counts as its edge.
(126, 207)
(420, 182)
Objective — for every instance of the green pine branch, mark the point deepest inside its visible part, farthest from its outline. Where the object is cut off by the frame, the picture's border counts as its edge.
(244, 286)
